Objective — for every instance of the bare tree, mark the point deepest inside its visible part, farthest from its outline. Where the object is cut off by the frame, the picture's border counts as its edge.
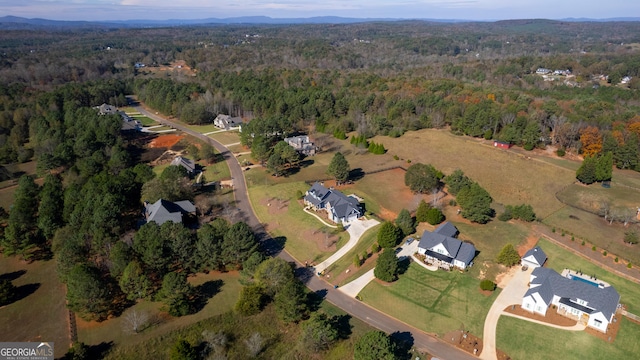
(254, 344)
(435, 199)
(437, 120)
(605, 209)
(215, 342)
(627, 216)
(135, 321)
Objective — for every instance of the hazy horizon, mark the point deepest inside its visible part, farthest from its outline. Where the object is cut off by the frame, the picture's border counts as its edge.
(481, 10)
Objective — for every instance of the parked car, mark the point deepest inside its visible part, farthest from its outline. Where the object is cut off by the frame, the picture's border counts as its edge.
(409, 241)
(398, 250)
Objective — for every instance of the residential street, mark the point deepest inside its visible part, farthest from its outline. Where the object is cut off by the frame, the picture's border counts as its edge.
(351, 306)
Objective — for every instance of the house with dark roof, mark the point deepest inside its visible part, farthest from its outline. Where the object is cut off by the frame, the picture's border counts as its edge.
(588, 300)
(339, 207)
(302, 144)
(188, 164)
(163, 210)
(106, 109)
(227, 122)
(534, 258)
(442, 248)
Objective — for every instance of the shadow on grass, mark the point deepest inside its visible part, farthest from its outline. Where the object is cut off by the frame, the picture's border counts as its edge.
(24, 291)
(315, 299)
(205, 292)
(99, 351)
(356, 174)
(12, 275)
(404, 342)
(403, 265)
(342, 325)
(271, 246)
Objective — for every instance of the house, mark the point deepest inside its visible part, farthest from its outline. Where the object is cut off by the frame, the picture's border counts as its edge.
(441, 247)
(586, 299)
(163, 210)
(227, 122)
(543, 71)
(129, 123)
(625, 80)
(302, 144)
(339, 207)
(188, 164)
(501, 144)
(534, 258)
(106, 109)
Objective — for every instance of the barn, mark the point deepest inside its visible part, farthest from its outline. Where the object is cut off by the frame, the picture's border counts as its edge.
(501, 145)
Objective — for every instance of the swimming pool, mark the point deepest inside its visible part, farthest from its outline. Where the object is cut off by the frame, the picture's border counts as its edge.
(577, 278)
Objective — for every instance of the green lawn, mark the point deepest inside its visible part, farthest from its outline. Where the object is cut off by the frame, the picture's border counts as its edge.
(433, 301)
(560, 259)
(291, 223)
(203, 128)
(529, 341)
(41, 315)
(216, 171)
(592, 197)
(226, 137)
(144, 120)
(364, 244)
(116, 329)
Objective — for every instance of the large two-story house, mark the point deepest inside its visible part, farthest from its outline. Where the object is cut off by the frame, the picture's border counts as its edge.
(442, 248)
(339, 207)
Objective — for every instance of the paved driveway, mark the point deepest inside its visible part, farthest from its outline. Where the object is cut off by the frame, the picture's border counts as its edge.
(355, 229)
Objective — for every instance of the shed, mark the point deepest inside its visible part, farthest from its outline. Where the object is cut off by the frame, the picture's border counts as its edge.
(501, 144)
(534, 257)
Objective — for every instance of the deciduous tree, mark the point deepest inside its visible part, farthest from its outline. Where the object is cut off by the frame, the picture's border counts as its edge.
(422, 178)
(374, 345)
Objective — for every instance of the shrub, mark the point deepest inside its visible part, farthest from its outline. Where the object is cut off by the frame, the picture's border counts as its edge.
(356, 261)
(553, 230)
(299, 194)
(616, 259)
(582, 243)
(561, 152)
(604, 253)
(593, 248)
(395, 157)
(629, 265)
(375, 248)
(573, 238)
(508, 256)
(365, 255)
(631, 237)
(488, 134)
(528, 146)
(487, 285)
(562, 233)
(452, 202)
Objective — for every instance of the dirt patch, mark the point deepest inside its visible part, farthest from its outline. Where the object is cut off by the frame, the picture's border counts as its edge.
(504, 277)
(275, 206)
(165, 141)
(528, 244)
(552, 317)
(387, 214)
(466, 341)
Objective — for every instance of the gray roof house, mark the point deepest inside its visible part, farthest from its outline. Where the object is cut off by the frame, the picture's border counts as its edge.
(588, 300)
(226, 122)
(163, 210)
(188, 164)
(534, 257)
(302, 144)
(339, 207)
(443, 249)
(106, 109)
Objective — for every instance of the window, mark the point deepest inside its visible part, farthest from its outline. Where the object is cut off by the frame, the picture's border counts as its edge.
(597, 323)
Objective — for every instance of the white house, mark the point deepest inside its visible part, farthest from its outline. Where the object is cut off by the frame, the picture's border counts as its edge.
(339, 207)
(534, 258)
(588, 300)
(543, 71)
(443, 249)
(188, 164)
(227, 122)
(302, 144)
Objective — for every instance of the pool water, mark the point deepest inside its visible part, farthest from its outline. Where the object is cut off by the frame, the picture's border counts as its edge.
(577, 278)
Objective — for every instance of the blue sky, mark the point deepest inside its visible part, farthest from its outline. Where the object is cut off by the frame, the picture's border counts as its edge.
(435, 9)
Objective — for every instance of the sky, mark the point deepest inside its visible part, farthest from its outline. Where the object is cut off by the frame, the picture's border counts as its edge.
(405, 9)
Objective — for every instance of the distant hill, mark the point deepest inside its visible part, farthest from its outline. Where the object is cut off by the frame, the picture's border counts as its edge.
(14, 22)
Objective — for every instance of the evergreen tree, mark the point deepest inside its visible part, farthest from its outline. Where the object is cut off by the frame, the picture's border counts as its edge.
(434, 216)
(457, 181)
(604, 167)
(422, 211)
(51, 206)
(374, 345)
(251, 300)
(176, 293)
(290, 301)
(135, 283)
(586, 173)
(508, 256)
(386, 266)
(183, 350)
(87, 293)
(422, 178)
(475, 203)
(238, 244)
(388, 235)
(318, 333)
(405, 222)
(21, 235)
(339, 168)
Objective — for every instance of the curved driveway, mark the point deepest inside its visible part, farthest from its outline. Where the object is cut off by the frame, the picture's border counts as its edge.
(351, 306)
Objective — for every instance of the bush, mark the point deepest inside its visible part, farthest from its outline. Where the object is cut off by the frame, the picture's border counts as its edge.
(553, 230)
(299, 194)
(356, 261)
(604, 253)
(434, 216)
(573, 238)
(593, 248)
(508, 256)
(631, 237)
(487, 285)
(629, 265)
(395, 157)
(488, 134)
(375, 248)
(616, 259)
(561, 152)
(529, 146)
(506, 215)
(582, 243)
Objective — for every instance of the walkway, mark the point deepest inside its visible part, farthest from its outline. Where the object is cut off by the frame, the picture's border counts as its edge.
(355, 229)
(306, 209)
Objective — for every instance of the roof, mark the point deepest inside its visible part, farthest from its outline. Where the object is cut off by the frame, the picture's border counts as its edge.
(227, 120)
(106, 109)
(461, 251)
(163, 210)
(341, 205)
(537, 254)
(185, 163)
(547, 283)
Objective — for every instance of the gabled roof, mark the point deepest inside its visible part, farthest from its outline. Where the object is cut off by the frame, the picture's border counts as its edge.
(447, 229)
(342, 206)
(185, 163)
(163, 210)
(461, 251)
(548, 283)
(106, 109)
(537, 253)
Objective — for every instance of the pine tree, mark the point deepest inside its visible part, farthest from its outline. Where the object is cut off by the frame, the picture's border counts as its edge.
(339, 168)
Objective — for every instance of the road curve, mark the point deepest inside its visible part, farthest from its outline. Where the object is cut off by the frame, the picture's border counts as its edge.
(353, 307)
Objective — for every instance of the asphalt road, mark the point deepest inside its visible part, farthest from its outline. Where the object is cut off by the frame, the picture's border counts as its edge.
(355, 308)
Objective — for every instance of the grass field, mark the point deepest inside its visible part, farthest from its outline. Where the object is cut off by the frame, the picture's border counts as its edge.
(524, 340)
(41, 315)
(204, 128)
(291, 221)
(116, 330)
(433, 301)
(559, 259)
(226, 137)
(592, 197)
(145, 121)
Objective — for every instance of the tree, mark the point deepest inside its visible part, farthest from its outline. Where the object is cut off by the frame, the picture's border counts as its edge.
(421, 212)
(339, 168)
(51, 206)
(435, 216)
(586, 173)
(87, 293)
(7, 292)
(508, 256)
(591, 140)
(631, 237)
(207, 153)
(388, 235)
(386, 266)
(119, 257)
(21, 234)
(210, 237)
(255, 344)
(487, 285)
(475, 203)
(176, 293)
(152, 248)
(135, 320)
(374, 345)
(134, 282)
(274, 274)
(238, 244)
(405, 222)
(183, 350)
(251, 300)
(457, 181)
(173, 185)
(604, 167)
(290, 301)
(318, 333)
(422, 178)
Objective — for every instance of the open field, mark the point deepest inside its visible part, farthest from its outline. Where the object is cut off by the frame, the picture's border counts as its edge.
(204, 128)
(526, 340)
(509, 177)
(117, 329)
(593, 197)
(306, 237)
(41, 314)
(560, 258)
(433, 301)
(226, 137)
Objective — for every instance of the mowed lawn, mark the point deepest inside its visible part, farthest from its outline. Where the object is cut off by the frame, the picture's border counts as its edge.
(41, 315)
(367, 239)
(117, 330)
(509, 177)
(226, 137)
(559, 259)
(524, 340)
(290, 222)
(433, 301)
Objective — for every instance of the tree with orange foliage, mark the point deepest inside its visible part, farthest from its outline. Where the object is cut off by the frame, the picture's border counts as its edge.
(591, 140)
